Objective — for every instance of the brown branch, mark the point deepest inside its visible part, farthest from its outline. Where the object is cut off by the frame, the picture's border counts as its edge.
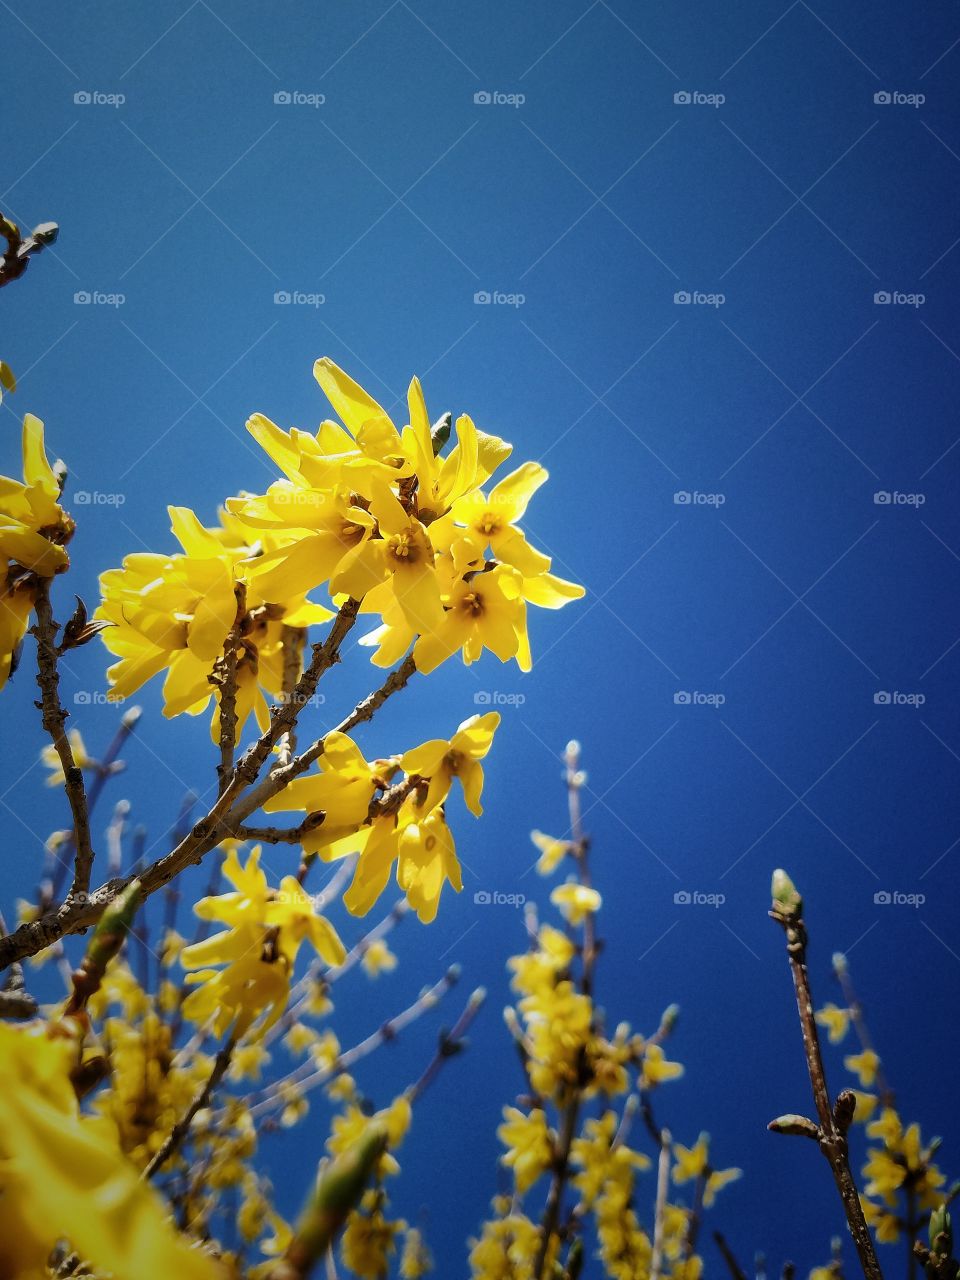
(54, 718)
(733, 1266)
(284, 716)
(224, 678)
(178, 1133)
(104, 769)
(788, 912)
(363, 711)
(293, 640)
(571, 1112)
(75, 914)
(451, 1043)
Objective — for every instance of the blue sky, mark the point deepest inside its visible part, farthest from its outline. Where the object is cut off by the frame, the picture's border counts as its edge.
(813, 228)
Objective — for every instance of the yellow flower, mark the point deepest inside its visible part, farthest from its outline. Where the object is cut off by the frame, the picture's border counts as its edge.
(690, 1162)
(656, 1068)
(542, 966)
(427, 860)
(864, 1065)
(377, 958)
(62, 1176)
(352, 1124)
(342, 790)
(886, 1225)
(81, 758)
(716, 1181)
(836, 1021)
(529, 1143)
(175, 612)
(442, 761)
(887, 1127)
(552, 851)
(266, 929)
(369, 1241)
(484, 611)
(866, 1105)
(34, 530)
(415, 1261)
(576, 901)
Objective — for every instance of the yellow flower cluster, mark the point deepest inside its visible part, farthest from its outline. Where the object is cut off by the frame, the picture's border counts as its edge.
(63, 1175)
(903, 1185)
(572, 1124)
(363, 509)
(409, 829)
(34, 532)
(258, 949)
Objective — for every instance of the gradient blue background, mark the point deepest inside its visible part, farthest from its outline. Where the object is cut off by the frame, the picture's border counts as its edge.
(797, 400)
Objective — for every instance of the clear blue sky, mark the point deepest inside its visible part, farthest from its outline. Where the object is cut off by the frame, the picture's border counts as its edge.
(798, 598)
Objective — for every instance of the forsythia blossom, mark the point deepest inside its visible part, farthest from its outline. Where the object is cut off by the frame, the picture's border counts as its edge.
(34, 531)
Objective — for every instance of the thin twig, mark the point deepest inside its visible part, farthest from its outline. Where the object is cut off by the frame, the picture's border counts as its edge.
(833, 1121)
(451, 1043)
(180, 1130)
(660, 1207)
(733, 1266)
(307, 1076)
(54, 718)
(293, 640)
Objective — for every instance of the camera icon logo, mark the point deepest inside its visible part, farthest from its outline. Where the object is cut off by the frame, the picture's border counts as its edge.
(82, 698)
(483, 98)
(882, 898)
(82, 298)
(282, 298)
(682, 498)
(882, 498)
(681, 698)
(482, 698)
(682, 298)
(82, 98)
(682, 98)
(282, 98)
(482, 897)
(482, 298)
(882, 98)
(882, 699)
(882, 298)
(682, 898)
